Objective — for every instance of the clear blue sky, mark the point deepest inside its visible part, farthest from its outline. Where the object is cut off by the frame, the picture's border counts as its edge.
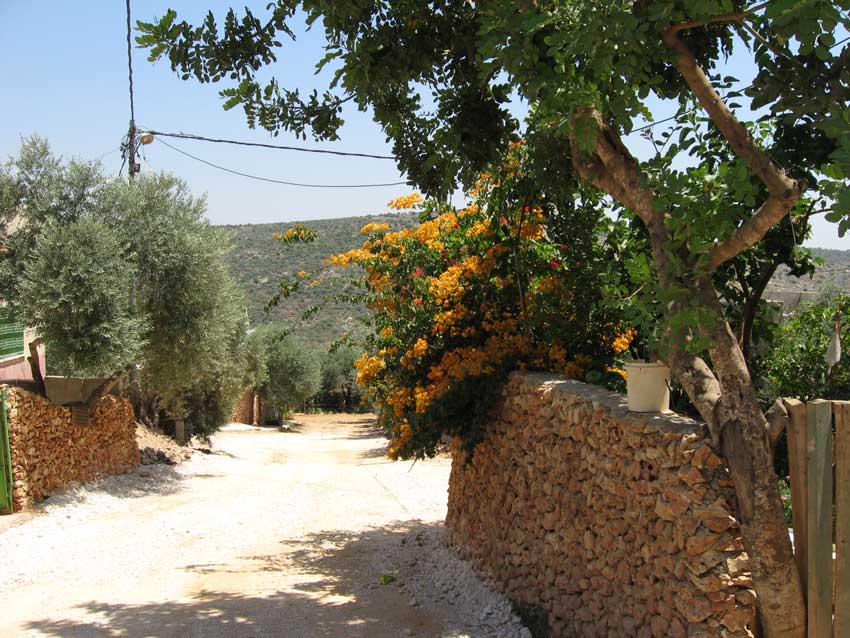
(63, 73)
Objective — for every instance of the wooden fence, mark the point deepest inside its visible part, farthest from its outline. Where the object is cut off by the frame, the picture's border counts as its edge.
(820, 498)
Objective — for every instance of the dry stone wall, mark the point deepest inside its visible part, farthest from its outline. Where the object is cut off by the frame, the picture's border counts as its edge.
(244, 410)
(616, 523)
(48, 452)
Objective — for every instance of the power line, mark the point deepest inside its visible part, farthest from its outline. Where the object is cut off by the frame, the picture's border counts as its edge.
(301, 149)
(278, 181)
(101, 156)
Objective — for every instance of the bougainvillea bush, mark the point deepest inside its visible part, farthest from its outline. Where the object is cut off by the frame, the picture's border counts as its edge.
(469, 295)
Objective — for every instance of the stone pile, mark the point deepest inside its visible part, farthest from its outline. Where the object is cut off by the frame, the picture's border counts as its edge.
(48, 452)
(151, 456)
(618, 524)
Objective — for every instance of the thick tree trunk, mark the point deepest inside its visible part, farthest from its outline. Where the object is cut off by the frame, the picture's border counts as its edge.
(724, 392)
(35, 368)
(746, 446)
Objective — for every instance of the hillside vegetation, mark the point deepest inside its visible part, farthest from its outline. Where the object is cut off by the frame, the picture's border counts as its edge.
(258, 262)
(835, 272)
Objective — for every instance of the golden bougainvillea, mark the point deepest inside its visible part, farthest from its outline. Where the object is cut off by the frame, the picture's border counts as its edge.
(455, 300)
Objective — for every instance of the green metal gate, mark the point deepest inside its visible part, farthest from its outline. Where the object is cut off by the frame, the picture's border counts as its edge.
(6, 505)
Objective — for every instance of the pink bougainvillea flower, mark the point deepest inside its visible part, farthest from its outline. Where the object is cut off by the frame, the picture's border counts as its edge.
(554, 263)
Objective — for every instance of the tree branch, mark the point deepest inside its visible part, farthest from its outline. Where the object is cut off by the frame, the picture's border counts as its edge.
(728, 17)
(784, 192)
(697, 379)
(612, 168)
(751, 231)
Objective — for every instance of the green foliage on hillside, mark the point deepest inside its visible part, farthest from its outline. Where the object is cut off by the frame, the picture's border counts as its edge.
(258, 262)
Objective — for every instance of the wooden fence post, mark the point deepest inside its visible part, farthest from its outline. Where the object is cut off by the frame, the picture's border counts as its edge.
(841, 410)
(799, 481)
(819, 515)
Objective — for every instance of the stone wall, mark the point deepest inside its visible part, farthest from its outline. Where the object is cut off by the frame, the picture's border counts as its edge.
(251, 409)
(244, 410)
(48, 452)
(617, 524)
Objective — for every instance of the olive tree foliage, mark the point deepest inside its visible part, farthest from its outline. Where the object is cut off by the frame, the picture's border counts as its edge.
(283, 370)
(339, 378)
(80, 267)
(715, 185)
(111, 273)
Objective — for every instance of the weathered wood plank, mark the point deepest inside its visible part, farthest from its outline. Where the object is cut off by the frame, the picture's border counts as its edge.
(799, 481)
(819, 517)
(841, 411)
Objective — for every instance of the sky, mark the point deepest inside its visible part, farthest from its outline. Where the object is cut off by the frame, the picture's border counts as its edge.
(64, 76)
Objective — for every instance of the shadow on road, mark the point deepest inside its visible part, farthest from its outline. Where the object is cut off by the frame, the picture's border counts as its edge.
(146, 480)
(338, 594)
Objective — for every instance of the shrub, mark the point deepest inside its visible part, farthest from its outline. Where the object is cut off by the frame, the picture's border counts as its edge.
(796, 365)
(468, 296)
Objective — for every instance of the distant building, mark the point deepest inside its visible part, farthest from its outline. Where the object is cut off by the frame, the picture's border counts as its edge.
(15, 343)
(790, 299)
(15, 340)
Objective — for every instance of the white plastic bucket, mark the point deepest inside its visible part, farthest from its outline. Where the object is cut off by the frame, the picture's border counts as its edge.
(648, 386)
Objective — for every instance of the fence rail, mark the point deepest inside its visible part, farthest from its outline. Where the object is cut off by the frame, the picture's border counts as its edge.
(819, 460)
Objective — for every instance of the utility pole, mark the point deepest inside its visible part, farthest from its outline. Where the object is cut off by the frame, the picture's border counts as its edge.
(131, 151)
(131, 137)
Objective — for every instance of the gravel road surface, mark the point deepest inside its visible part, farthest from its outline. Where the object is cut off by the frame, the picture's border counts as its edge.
(304, 533)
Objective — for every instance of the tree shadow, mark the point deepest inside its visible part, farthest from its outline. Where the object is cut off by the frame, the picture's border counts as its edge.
(341, 596)
(145, 480)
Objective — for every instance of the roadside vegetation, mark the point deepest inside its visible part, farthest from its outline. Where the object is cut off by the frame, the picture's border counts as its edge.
(113, 274)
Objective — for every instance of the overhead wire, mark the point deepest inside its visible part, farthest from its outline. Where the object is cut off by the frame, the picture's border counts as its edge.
(300, 149)
(107, 153)
(278, 181)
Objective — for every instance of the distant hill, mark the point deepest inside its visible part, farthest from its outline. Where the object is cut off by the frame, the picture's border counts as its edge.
(835, 272)
(258, 262)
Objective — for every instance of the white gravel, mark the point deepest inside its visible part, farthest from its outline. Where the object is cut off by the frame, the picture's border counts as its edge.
(431, 573)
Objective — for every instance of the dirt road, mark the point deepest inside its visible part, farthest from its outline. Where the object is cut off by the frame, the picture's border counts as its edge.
(305, 533)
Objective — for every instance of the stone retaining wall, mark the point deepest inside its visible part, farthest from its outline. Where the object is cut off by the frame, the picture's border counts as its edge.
(617, 524)
(48, 452)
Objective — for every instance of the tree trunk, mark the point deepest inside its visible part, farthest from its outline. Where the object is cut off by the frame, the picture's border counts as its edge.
(35, 368)
(746, 446)
(724, 392)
